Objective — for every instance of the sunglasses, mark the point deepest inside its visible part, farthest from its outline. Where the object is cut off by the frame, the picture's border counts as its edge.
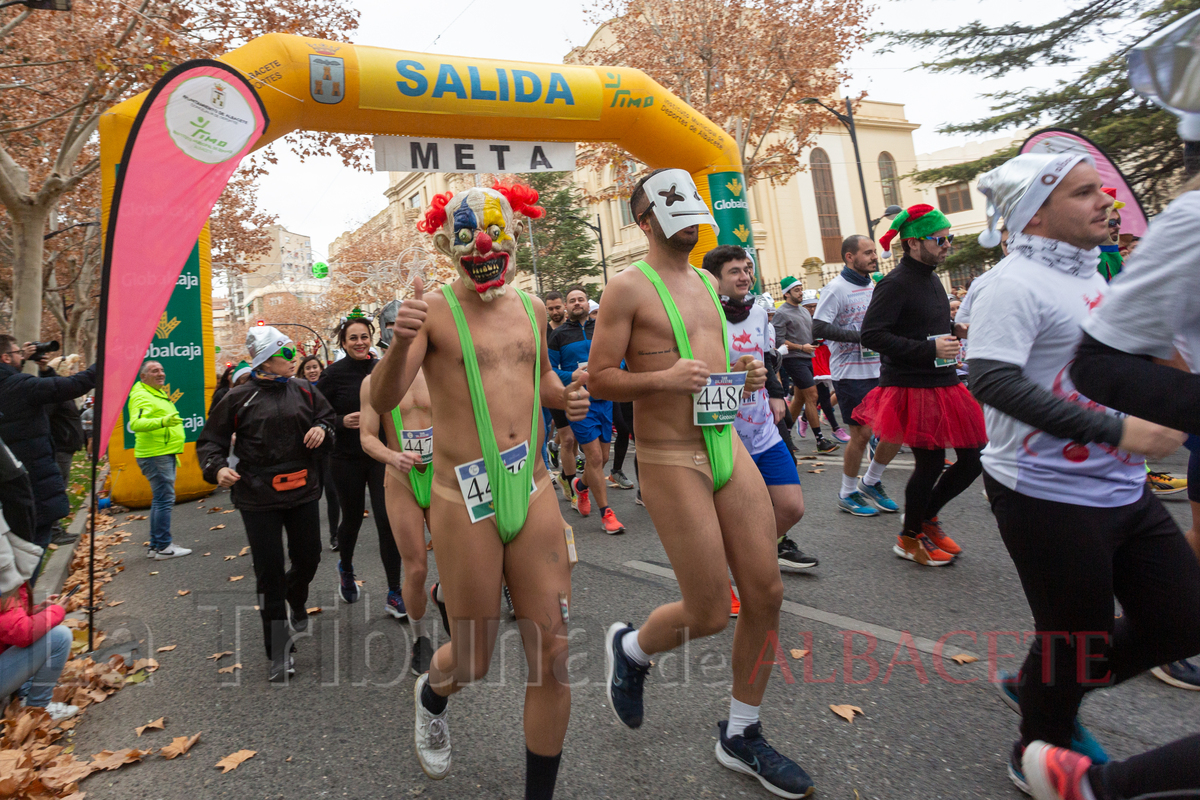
(941, 241)
(1114, 223)
(287, 353)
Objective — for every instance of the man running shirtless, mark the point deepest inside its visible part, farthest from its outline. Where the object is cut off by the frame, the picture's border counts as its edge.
(505, 355)
(705, 533)
(406, 489)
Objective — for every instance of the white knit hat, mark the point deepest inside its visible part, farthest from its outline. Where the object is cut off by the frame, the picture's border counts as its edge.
(263, 341)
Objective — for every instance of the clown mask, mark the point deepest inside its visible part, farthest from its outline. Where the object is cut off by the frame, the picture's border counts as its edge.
(478, 228)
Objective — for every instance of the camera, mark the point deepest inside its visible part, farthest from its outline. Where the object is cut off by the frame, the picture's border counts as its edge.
(42, 349)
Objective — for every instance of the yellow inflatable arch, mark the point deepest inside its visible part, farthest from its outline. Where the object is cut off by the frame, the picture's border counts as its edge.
(311, 84)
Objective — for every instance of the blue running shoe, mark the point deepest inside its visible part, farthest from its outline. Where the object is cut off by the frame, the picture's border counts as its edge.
(395, 605)
(751, 755)
(857, 505)
(1016, 772)
(347, 588)
(1082, 740)
(625, 678)
(1180, 674)
(1007, 683)
(877, 495)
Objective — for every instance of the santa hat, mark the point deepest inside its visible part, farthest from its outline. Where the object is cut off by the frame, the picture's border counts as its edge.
(914, 222)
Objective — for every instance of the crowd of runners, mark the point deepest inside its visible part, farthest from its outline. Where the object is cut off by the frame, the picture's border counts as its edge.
(1073, 385)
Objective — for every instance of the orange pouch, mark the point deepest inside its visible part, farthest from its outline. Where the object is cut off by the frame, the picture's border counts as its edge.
(289, 480)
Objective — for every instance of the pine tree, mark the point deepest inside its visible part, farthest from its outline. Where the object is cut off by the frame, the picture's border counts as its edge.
(564, 243)
(1137, 135)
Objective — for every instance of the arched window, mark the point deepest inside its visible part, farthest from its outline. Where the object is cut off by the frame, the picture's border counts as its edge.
(827, 215)
(889, 179)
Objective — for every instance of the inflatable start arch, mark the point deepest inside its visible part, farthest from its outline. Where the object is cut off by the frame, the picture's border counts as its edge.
(311, 84)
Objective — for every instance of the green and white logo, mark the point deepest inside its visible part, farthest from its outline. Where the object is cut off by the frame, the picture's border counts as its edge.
(730, 209)
(208, 121)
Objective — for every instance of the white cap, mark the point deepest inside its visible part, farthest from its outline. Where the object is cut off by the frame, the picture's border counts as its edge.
(593, 306)
(263, 341)
(810, 297)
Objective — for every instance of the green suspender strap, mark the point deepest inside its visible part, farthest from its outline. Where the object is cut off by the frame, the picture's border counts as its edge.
(510, 491)
(718, 439)
(420, 478)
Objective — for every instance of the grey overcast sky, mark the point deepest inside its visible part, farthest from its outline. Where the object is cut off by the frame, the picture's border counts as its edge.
(321, 198)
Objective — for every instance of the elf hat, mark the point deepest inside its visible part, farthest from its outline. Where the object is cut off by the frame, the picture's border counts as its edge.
(914, 222)
(243, 368)
(787, 283)
(1117, 204)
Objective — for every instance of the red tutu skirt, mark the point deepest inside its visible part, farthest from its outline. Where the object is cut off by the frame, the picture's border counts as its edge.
(929, 419)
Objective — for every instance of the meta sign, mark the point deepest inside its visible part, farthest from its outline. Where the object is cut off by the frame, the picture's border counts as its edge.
(412, 154)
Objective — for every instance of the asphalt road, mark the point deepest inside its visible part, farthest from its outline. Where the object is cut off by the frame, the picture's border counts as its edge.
(343, 726)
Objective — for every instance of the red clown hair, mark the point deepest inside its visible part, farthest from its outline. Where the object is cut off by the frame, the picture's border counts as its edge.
(522, 197)
(435, 215)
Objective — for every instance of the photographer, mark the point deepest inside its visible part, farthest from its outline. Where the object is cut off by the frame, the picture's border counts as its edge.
(25, 401)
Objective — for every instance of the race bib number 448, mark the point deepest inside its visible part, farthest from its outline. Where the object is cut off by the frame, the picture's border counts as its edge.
(718, 402)
(477, 489)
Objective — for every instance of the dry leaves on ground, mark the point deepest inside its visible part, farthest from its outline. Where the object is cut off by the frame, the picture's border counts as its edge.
(218, 656)
(229, 511)
(208, 554)
(846, 712)
(217, 527)
(313, 610)
(166, 648)
(213, 510)
(107, 566)
(136, 516)
(184, 592)
(231, 761)
(156, 725)
(178, 746)
(963, 658)
(816, 471)
(228, 670)
(245, 550)
(230, 558)
(233, 578)
(799, 654)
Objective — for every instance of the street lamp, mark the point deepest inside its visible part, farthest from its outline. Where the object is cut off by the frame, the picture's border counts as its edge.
(600, 235)
(40, 5)
(52, 234)
(847, 119)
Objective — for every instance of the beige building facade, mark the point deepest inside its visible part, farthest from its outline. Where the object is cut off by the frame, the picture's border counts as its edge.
(286, 269)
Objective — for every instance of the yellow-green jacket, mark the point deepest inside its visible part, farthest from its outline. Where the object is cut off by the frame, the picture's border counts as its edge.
(155, 422)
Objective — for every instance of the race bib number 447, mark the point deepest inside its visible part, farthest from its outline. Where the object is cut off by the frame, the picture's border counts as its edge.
(718, 402)
(418, 442)
(477, 489)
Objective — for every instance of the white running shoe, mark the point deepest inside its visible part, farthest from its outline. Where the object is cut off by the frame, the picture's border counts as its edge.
(60, 711)
(171, 551)
(432, 737)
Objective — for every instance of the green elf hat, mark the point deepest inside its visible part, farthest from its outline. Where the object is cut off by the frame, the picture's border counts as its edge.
(787, 283)
(914, 222)
(243, 368)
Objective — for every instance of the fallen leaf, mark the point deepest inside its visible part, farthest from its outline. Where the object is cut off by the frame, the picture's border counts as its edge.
(153, 573)
(799, 654)
(289, 758)
(218, 656)
(230, 558)
(136, 677)
(114, 603)
(178, 746)
(208, 554)
(963, 658)
(167, 648)
(148, 664)
(846, 712)
(65, 771)
(184, 592)
(244, 550)
(107, 759)
(213, 510)
(229, 511)
(217, 527)
(229, 669)
(806, 458)
(313, 610)
(231, 761)
(360, 583)
(137, 516)
(233, 578)
(157, 725)
(816, 471)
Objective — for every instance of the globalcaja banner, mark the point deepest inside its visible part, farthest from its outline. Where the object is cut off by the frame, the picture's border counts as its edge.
(731, 209)
(190, 134)
(178, 344)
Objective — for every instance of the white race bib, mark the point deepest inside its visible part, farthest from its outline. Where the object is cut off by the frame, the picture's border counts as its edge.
(477, 489)
(718, 402)
(419, 442)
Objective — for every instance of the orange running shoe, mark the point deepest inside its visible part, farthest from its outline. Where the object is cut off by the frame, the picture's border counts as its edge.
(921, 550)
(1055, 773)
(933, 529)
(612, 525)
(735, 605)
(583, 503)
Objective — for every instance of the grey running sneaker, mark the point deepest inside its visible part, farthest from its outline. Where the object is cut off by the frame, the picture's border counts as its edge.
(617, 480)
(432, 737)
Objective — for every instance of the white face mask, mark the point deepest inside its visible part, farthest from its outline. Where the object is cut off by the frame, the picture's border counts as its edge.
(676, 202)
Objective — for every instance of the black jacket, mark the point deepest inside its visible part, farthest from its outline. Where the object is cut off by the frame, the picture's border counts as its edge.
(25, 403)
(907, 307)
(340, 384)
(270, 419)
(66, 427)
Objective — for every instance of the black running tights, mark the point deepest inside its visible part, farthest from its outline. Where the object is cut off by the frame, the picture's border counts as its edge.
(932, 485)
(824, 400)
(280, 585)
(353, 477)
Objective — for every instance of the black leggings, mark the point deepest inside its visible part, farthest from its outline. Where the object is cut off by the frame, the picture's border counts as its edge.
(1072, 561)
(623, 419)
(353, 477)
(932, 485)
(278, 588)
(332, 506)
(825, 402)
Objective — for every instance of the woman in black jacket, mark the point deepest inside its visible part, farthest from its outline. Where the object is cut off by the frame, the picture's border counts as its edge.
(355, 472)
(311, 369)
(280, 422)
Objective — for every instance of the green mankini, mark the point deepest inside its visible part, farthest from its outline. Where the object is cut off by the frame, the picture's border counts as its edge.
(420, 478)
(510, 491)
(718, 439)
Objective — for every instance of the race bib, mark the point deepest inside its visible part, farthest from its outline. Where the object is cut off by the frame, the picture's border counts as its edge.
(477, 489)
(718, 402)
(868, 355)
(942, 362)
(418, 442)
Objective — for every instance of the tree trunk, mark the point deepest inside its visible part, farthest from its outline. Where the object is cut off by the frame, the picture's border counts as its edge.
(29, 226)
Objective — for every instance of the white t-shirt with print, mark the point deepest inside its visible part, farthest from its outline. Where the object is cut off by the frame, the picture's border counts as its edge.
(1032, 315)
(844, 304)
(755, 423)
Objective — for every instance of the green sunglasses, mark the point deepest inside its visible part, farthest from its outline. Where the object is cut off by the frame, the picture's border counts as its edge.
(286, 353)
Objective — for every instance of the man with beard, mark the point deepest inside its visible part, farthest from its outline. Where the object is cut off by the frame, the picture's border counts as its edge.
(562, 449)
(699, 483)
(492, 515)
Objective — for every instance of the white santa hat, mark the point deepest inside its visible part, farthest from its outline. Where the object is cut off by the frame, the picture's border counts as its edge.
(1016, 189)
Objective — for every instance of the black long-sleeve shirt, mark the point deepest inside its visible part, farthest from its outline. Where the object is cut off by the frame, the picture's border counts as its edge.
(907, 307)
(340, 383)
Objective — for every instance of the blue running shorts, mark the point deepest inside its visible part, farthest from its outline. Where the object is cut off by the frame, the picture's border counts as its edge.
(598, 424)
(777, 466)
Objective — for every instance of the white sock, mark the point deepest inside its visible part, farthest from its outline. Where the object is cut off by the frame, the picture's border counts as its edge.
(874, 473)
(418, 624)
(741, 716)
(849, 486)
(633, 650)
